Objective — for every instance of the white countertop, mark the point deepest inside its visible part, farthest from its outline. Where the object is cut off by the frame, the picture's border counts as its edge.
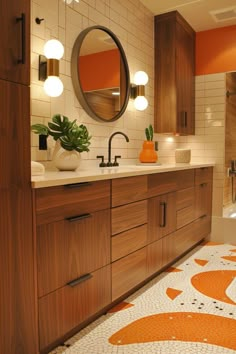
(58, 178)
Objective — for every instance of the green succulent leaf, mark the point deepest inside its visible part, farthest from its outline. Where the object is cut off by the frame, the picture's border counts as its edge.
(149, 133)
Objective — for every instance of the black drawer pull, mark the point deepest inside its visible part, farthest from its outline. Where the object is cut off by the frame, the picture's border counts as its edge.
(22, 20)
(77, 185)
(163, 214)
(79, 280)
(203, 184)
(78, 217)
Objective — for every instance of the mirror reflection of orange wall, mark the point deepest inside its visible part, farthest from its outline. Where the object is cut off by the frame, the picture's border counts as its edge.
(216, 50)
(100, 70)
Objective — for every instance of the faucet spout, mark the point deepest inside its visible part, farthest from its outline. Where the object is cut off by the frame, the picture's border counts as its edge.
(109, 145)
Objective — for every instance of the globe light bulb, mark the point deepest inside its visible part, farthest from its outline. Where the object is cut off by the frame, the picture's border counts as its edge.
(53, 86)
(140, 78)
(70, 1)
(140, 103)
(53, 49)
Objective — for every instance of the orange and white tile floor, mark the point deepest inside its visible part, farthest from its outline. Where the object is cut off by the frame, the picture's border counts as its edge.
(190, 308)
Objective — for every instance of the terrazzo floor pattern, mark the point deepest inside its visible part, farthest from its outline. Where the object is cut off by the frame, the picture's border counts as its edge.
(189, 308)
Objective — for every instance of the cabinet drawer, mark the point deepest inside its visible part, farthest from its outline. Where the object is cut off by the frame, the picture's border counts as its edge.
(184, 198)
(55, 203)
(128, 216)
(161, 183)
(167, 182)
(184, 179)
(128, 272)
(128, 190)
(64, 309)
(69, 248)
(185, 216)
(128, 242)
(203, 175)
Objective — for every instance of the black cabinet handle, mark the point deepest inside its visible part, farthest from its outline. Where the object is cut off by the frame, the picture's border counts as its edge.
(203, 216)
(22, 20)
(78, 217)
(203, 184)
(77, 185)
(79, 280)
(163, 214)
(185, 119)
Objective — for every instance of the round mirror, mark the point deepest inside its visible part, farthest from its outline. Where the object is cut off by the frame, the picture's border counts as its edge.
(100, 74)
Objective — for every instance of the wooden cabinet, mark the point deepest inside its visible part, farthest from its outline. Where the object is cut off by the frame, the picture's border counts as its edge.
(73, 256)
(15, 41)
(17, 263)
(174, 75)
(94, 247)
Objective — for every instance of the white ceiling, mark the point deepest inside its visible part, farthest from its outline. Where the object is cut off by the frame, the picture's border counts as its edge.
(196, 12)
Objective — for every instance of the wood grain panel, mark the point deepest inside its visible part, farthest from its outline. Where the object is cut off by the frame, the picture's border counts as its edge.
(184, 198)
(184, 179)
(203, 175)
(156, 218)
(128, 242)
(203, 200)
(67, 250)
(185, 216)
(230, 137)
(128, 272)
(128, 190)
(154, 257)
(64, 309)
(174, 75)
(128, 216)
(11, 33)
(177, 243)
(161, 183)
(55, 203)
(202, 228)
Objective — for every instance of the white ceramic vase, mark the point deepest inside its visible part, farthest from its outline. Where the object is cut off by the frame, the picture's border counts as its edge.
(65, 160)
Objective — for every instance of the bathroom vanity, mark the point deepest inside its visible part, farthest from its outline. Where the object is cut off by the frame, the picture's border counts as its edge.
(102, 234)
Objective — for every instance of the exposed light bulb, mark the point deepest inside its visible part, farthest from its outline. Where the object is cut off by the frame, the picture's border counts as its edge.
(53, 86)
(53, 49)
(70, 1)
(140, 78)
(140, 103)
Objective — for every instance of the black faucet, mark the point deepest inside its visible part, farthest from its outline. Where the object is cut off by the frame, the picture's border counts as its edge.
(109, 163)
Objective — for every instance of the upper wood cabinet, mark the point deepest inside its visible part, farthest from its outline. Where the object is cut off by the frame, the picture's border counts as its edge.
(174, 75)
(15, 41)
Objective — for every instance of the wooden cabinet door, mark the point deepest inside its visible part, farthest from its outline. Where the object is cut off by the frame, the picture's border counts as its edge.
(161, 216)
(203, 198)
(15, 41)
(17, 301)
(14, 135)
(69, 249)
(185, 87)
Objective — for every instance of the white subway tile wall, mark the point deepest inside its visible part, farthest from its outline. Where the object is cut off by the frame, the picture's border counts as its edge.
(133, 24)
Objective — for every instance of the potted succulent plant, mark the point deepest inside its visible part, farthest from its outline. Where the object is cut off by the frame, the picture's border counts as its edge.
(71, 140)
(148, 153)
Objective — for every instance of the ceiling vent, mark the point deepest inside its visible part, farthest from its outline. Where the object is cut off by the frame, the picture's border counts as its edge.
(224, 14)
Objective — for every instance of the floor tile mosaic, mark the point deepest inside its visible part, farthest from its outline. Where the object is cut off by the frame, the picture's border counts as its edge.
(190, 308)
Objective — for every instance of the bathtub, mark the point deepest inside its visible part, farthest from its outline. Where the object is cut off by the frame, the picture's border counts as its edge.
(229, 211)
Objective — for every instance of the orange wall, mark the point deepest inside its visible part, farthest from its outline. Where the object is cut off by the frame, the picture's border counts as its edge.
(100, 70)
(216, 50)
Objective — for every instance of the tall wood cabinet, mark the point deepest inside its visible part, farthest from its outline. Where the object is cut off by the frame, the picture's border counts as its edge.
(174, 75)
(17, 300)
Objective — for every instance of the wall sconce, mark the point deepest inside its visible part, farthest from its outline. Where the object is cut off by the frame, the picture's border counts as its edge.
(49, 68)
(138, 90)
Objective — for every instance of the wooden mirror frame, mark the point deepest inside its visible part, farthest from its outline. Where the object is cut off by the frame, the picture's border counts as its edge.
(76, 79)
